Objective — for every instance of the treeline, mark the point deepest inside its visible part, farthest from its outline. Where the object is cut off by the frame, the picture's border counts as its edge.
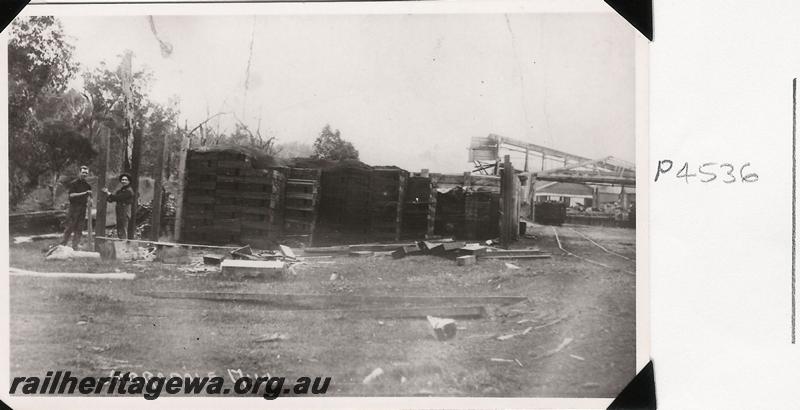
(53, 128)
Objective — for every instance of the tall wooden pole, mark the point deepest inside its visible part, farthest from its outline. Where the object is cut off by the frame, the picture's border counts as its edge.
(507, 193)
(158, 187)
(102, 173)
(137, 150)
(181, 185)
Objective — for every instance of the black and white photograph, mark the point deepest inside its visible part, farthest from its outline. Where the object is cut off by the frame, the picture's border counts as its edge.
(414, 201)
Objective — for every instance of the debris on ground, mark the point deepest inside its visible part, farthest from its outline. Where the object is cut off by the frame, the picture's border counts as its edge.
(27, 239)
(272, 337)
(72, 275)
(511, 266)
(378, 372)
(63, 252)
(287, 252)
(239, 268)
(443, 328)
(551, 352)
(212, 259)
(574, 356)
(170, 255)
(465, 260)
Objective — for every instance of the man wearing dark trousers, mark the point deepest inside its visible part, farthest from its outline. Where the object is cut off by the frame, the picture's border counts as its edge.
(79, 193)
(123, 198)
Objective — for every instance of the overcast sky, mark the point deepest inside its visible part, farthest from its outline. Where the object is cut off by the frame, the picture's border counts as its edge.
(407, 90)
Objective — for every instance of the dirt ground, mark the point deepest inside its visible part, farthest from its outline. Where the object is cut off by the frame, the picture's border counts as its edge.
(93, 327)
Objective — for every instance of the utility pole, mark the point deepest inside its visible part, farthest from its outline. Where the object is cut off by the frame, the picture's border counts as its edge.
(133, 139)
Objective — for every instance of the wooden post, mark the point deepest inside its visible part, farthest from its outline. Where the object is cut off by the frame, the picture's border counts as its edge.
(624, 200)
(532, 196)
(102, 173)
(158, 187)
(181, 183)
(89, 230)
(507, 192)
(596, 198)
(467, 179)
(137, 151)
(527, 153)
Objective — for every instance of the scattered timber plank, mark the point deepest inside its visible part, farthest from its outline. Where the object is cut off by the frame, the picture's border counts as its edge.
(460, 312)
(515, 252)
(327, 250)
(308, 301)
(465, 260)
(70, 275)
(212, 259)
(175, 244)
(287, 251)
(491, 256)
(404, 251)
(251, 268)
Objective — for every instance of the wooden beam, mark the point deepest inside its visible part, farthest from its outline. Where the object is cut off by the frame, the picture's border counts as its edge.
(532, 256)
(317, 301)
(102, 174)
(454, 312)
(507, 194)
(158, 188)
(137, 159)
(174, 244)
(181, 187)
(70, 275)
(587, 179)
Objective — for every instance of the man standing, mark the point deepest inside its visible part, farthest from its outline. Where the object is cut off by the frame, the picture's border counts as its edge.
(79, 193)
(123, 198)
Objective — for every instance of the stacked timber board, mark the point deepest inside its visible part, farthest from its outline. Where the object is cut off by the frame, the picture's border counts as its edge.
(227, 200)
(481, 215)
(419, 209)
(344, 202)
(467, 206)
(301, 203)
(386, 196)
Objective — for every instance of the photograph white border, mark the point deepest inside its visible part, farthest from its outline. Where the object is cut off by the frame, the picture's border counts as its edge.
(464, 7)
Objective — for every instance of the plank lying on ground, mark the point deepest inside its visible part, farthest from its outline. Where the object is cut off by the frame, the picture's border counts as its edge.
(159, 243)
(460, 312)
(517, 252)
(454, 312)
(372, 247)
(300, 301)
(22, 272)
(491, 256)
(24, 239)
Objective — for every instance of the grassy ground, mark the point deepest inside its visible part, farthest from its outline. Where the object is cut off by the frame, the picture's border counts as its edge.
(93, 327)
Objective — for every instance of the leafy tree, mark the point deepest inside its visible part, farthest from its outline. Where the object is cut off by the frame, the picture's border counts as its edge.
(40, 65)
(64, 146)
(330, 145)
(103, 89)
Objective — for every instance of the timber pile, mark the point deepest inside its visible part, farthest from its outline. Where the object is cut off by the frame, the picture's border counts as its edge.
(301, 203)
(386, 196)
(481, 214)
(229, 200)
(419, 209)
(344, 202)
